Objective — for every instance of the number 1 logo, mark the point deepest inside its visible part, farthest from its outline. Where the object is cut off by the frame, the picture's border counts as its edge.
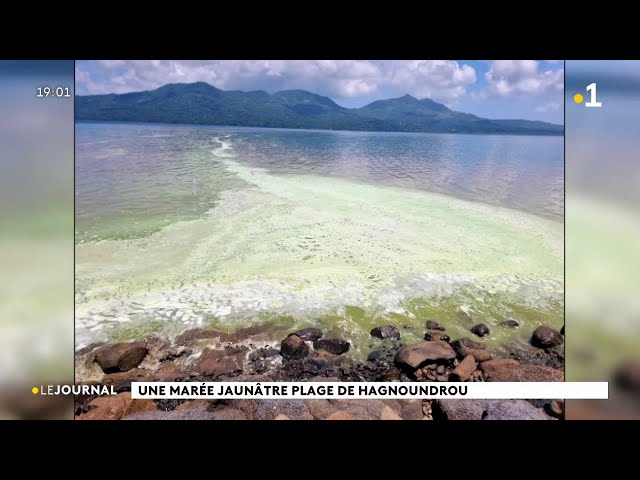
(593, 102)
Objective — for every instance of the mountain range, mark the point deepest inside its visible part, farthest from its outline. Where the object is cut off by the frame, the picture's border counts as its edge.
(203, 104)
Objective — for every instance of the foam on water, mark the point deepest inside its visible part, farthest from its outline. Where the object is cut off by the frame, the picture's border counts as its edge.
(321, 249)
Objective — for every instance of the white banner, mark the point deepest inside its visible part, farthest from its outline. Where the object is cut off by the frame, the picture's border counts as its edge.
(364, 390)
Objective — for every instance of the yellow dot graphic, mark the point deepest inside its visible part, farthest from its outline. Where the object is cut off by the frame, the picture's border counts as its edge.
(578, 98)
(35, 390)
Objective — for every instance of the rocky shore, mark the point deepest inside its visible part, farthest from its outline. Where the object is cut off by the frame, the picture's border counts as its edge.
(308, 355)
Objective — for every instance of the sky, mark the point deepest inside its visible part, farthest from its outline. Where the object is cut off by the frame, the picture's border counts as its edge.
(527, 89)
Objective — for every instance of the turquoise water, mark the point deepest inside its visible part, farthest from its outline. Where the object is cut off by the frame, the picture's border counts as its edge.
(181, 226)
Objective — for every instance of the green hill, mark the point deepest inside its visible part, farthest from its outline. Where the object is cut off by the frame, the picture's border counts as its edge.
(203, 104)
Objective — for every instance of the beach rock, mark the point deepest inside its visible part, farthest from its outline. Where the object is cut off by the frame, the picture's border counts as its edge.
(464, 345)
(377, 355)
(527, 354)
(336, 346)
(169, 372)
(282, 417)
(229, 414)
(458, 409)
(506, 372)
(320, 408)
(309, 334)
(270, 409)
(415, 355)
(315, 365)
(555, 408)
(513, 410)
(215, 363)
(433, 325)
(339, 416)
(464, 370)
(546, 337)
(479, 355)
(389, 414)
(412, 409)
(360, 409)
(491, 366)
(480, 330)
(114, 407)
(122, 380)
(387, 331)
(198, 404)
(510, 324)
(293, 347)
(435, 336)
(627, 377)
(190, 414)
(120, 357)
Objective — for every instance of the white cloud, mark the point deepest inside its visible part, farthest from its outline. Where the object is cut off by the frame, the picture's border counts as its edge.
(548, 107)
(522, 77)
(441, 80)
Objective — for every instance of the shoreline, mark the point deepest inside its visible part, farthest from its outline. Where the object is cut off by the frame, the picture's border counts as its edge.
(205, 355)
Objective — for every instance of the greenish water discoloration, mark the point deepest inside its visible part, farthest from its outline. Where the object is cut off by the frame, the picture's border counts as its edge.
(303, 250)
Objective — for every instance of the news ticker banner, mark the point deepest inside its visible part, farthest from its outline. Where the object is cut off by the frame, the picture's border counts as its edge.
(369, 390)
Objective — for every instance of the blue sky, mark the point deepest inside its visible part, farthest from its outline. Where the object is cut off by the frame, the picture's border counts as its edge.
(529, 89)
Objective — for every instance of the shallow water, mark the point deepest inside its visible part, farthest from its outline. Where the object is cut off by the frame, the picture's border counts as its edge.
(181, 226)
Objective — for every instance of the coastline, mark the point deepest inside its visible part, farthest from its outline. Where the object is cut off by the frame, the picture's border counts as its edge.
(204, 355)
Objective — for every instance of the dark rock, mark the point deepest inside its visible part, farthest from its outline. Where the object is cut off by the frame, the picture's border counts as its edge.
(215, 363)
(526, 354)
(270, 409)
(190, 414)
(562, 330)
(120, 357)
(510, 324)
(293, 347)
(377, 355)
(314, 365)
(264, 353)
(433, 325)
(513, 410)
(465, 345)
(555, 408)
(464, 370)
(336, 346)
(434, 337)
(480, 330)
(386, 331)
(414, 356)
(546, 337)
(309, 334)
(627, 377)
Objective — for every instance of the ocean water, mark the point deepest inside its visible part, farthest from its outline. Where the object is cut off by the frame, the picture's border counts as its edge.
(184, 226)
